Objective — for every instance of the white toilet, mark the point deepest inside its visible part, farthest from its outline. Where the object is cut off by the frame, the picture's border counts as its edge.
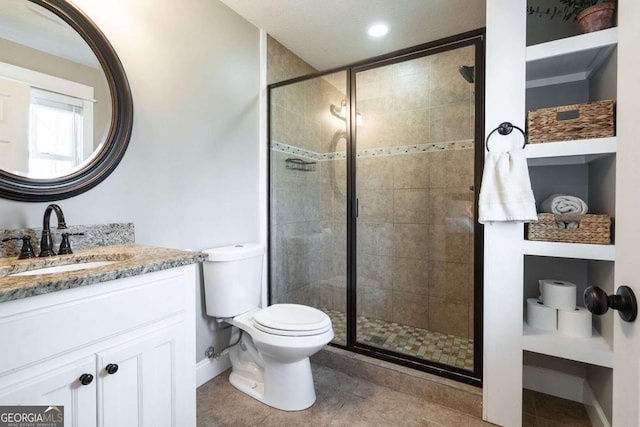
(271, 362)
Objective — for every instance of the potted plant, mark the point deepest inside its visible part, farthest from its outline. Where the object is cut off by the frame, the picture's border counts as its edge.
(592, 15)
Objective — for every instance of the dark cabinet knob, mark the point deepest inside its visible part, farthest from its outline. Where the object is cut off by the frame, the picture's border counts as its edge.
(598, 302)
(111, 368)
(86, 379)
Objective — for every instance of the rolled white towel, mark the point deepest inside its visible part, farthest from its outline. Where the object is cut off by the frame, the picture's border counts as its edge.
(563, 204)
(571, 225)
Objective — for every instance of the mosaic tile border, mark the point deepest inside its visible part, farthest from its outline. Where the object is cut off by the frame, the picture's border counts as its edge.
(290, 149)
(374, 152)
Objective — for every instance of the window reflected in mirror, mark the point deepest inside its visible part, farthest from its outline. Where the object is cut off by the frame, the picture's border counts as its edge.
(56, 127)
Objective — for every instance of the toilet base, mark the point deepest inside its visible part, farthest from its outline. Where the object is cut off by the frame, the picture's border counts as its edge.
(285, 386)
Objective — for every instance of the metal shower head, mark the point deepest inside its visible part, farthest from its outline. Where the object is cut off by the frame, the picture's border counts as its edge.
(467, 72)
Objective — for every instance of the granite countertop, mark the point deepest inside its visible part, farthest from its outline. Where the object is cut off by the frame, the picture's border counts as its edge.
(130, 260)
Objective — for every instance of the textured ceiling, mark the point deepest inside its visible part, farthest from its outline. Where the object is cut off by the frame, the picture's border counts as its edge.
(331, 33)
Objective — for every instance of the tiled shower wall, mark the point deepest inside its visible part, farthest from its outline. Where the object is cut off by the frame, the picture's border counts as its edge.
(415, 178)
(305, 205)
(415, 229)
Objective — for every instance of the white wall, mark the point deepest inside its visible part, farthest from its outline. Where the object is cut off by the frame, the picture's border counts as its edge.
(189, 178)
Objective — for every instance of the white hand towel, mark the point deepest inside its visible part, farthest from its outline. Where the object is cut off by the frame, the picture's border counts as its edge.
(563, 204)
(506, 193)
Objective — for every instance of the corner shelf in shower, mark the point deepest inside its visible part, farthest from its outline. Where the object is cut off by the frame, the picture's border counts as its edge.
(300, 165)
(594, 350)
(570, 59)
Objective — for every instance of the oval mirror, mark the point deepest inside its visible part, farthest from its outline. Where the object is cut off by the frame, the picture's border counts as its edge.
(65, 105)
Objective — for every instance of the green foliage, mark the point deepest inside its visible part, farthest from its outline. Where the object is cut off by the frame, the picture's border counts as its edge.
(570, 9)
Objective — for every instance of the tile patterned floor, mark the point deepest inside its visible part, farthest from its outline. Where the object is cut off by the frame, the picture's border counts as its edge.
(342, 400)
(447, 349)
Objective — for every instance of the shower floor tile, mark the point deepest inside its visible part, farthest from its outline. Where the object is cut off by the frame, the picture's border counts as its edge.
(429, 345)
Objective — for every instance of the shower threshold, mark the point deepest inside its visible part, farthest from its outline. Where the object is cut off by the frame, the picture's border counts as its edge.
(409, 340)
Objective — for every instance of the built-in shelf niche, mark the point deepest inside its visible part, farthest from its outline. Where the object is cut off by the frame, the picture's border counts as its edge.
(569, 60)
(573, 70)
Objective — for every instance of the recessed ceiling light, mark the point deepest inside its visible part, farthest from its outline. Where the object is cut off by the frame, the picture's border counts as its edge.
(378, 30)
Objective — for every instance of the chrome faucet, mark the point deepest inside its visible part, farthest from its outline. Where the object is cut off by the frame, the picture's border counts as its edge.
(46, 245)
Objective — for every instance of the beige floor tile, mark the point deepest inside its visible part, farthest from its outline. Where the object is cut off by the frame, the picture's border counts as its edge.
(345, 400)
(475, 422)
(433, 413)
(559, 412)
(220, 404)
(528, 406)
(529, 420)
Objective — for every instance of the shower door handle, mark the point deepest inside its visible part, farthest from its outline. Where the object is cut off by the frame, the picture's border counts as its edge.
(355, 208)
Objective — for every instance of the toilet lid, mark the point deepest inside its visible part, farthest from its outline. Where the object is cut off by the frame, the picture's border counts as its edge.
(291, 320)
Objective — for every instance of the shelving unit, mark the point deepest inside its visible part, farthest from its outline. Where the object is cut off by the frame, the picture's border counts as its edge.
(559, 62)
(570, 250)
(594, 350)
(569, 152)
(568, 60)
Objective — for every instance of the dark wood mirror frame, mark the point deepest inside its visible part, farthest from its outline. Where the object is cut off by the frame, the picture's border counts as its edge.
(24, 189)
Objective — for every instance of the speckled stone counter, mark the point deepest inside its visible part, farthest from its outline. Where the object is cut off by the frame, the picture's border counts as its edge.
(130, 260)
(92, 235)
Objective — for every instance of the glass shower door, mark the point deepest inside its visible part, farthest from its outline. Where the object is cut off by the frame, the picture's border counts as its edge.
(416, 219)
(372, 212)
(308, 187)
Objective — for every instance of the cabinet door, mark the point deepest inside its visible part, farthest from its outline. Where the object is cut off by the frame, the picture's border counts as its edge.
(144, 389)
(52, 385)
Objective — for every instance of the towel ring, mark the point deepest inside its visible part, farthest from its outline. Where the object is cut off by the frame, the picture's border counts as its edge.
(505, 128)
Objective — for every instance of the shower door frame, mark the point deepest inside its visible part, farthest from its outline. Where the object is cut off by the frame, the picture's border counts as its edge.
(472, 38)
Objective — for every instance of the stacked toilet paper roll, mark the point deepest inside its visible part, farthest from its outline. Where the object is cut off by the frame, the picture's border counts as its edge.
(540, 316)
(558, 294)
(556, 309)
(576, 322)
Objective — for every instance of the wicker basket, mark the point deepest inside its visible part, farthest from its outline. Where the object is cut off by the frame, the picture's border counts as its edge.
(591, 229)
(579, 121)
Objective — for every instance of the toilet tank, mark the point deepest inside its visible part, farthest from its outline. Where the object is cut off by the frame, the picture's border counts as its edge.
(233, 279)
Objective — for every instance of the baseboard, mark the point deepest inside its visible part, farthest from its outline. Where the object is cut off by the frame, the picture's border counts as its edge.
(207, 369)
(594, 410)
(554, 383)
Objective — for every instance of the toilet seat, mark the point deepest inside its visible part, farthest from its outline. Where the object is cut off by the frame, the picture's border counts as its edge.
(291, 320)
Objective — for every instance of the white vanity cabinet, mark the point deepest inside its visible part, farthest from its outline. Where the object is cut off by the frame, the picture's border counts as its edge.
(50, 382)
(142, 389)
(141, 329)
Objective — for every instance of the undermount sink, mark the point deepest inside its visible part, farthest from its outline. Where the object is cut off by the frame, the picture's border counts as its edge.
(63, 268)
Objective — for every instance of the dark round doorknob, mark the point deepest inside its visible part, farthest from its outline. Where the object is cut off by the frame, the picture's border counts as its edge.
(86, 379)
(598, 302)
(111, 368)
